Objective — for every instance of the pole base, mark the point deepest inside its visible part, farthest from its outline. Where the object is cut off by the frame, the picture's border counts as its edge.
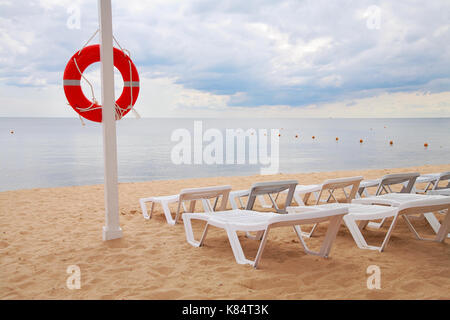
(109, 234)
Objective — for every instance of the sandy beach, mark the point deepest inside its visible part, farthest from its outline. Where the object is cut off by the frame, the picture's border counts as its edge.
(43, 231)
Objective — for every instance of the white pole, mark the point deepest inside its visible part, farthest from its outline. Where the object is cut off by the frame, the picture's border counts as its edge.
(112, 229)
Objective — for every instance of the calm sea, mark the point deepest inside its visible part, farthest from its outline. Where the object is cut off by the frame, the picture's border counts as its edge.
(54, 152)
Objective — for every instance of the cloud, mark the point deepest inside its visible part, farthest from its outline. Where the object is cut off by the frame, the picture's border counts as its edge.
(235, 58)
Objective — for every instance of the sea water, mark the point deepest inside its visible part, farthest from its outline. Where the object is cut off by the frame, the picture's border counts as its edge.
(53, 152)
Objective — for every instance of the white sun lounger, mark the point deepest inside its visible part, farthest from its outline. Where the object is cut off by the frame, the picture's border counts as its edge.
(430, 217)
(384, 183)
(330, 186)
(192, 194)
(302, 193)
(244, 220)
(406, 180)
(237, 195)
(429, 178)
(432, 180)
(272, 187)
(258, 190)
(406, 204)
(358, 212)
(365, 184)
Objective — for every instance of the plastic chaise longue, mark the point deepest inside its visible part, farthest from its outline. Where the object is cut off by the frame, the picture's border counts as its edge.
(403, 205)
(258, 190)
(245, 220)
(329, 187)
(192, 195)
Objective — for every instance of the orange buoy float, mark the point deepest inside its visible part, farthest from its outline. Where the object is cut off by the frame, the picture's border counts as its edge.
(72, 78)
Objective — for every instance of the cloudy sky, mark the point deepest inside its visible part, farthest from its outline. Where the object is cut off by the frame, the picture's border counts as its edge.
(258, 58)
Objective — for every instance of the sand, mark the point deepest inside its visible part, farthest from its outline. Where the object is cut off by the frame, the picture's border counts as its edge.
(43, 231)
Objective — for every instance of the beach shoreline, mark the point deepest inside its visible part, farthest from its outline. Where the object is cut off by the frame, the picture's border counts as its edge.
(44, 231)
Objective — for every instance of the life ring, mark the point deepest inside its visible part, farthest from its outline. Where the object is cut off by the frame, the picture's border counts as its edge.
(75, 96)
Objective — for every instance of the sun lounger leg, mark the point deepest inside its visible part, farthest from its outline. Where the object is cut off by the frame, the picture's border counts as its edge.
(151, 209)
(257, 236)
(411, 227)
(300, 233)
(434, 222)
(355, 231)
(329, 195)
(190, 233)
(144, 209)
(263, 202)
(167, 213)
(306, 198)
(333, 228)
(192, 205)
(205, 232)
(216, 201)
(442, 233)
(332, 231)
(332, 196)
(233, 203)
(445, 226)
(207, 205)
(274, 203)
(241, 203)
(298, 199)
(363, 224)
(316, 195)
(388, 234)
(377, 225)
(261, 248)
(310, 233)
(237, 248)
(345, 193)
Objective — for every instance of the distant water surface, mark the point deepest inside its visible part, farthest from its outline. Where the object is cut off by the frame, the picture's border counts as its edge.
(52, 152)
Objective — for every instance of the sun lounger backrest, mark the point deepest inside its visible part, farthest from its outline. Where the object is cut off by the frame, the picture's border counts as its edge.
(206, 193)
(397, 178)
(341, 183)
(444, 176)
(271, 187)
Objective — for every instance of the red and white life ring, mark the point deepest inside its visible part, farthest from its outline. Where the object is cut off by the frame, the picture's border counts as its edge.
(74, 93)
